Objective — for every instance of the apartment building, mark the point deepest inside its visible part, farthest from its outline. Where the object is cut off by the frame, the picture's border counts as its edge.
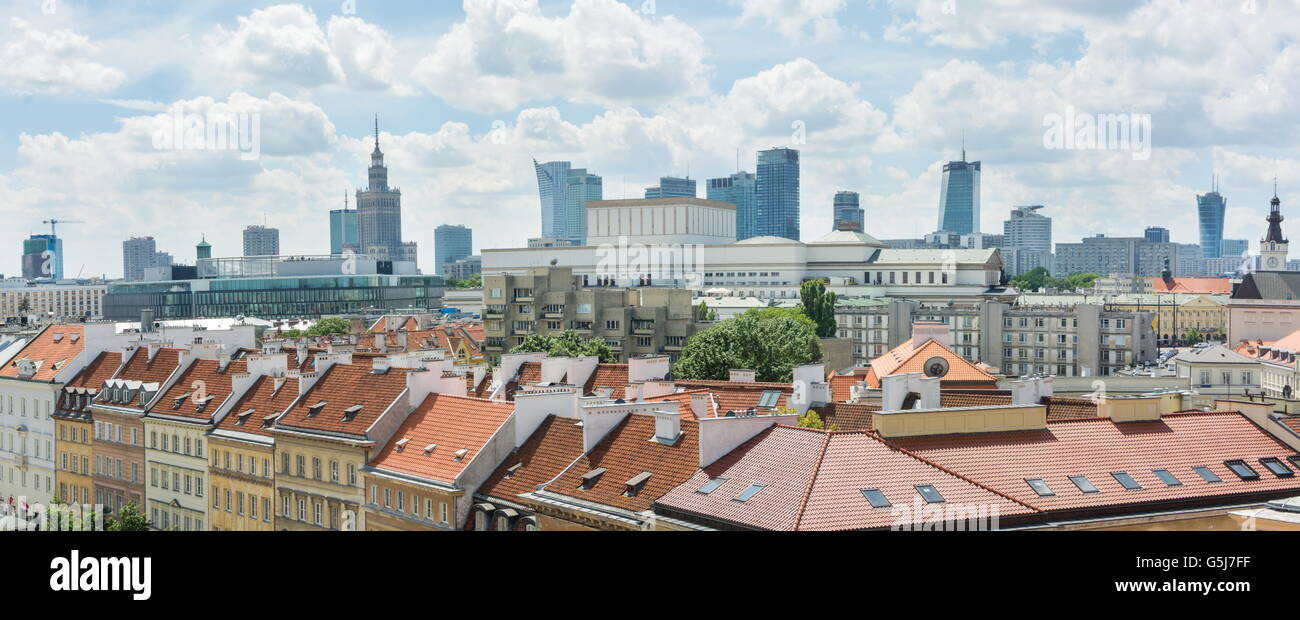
(632, 321)
(66, 300)
(241, 471)
(1078, 340)
(76, 430)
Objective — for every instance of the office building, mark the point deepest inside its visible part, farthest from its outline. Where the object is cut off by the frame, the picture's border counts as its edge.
(738, 189)
(672, 187)
(452, 243)
(959, 196)
(1116, 255)
(564, 192)
(379, 214)
(1156, 234)
(1026, 240)
(462, 269)
(43, 257)
(1235, 248)
(343, 231)
(776, 191)
(68, 300)
(261, 241)
(848, 213)
(139, 254)
(1210, 208)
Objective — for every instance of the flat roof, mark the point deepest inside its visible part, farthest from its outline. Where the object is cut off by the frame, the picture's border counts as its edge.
(661, 202)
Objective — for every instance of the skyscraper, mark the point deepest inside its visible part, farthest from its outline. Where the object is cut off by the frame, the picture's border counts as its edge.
(452, 243)
(565, 192)
(1235, 247)
(848, 213)
(42, 257)
(1026, 240)
(959, 196)
(379, 213)
(737, 189)
(261, 241)
(1156, 234)
(776, 211)
(139, 254)
(343, 229)
(1211, 207)
(672, 187)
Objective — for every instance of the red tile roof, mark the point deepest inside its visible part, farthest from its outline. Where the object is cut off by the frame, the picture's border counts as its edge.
(450, 423)
(841, 385)
(1209, 286)
(612, 376)
(626, 452)
(740, 395)
(157, 370)
(974, 398)
(202, 379)
(342, 387)
(904, 359)
(98, 371)
(683, 400)
(1061, 408)
(264, 400)
(848, 416)
(50, 356)
(1096, 447)
(551, 448)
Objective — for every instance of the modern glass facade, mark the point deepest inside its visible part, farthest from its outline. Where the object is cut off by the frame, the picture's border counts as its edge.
(1156, 234)
(672, 187)
(776, 211)
(959, 197)
(343, 230)
(1235, 247)
(452, 243)
(565, 192)
(847, 212)
(737, 189)
(270, 298)
(1210, 208)
(583, 188)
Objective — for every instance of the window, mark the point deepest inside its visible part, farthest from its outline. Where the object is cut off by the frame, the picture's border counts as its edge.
(876, 498)
(315, 468)
(1169, 479)
(302, 466)
(317, 513)
(334, 471)
(711, 486)
(302, 509)
(929, 493)
(1243, 471)
(284, 462)
(1040, 487)
(748, 493)
(1276, 466)
(1126, 480)
(388, 498)
(442, 513)
(352, 475)
(1206, 474)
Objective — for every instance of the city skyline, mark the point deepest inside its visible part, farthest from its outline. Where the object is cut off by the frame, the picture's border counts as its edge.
(884, 131)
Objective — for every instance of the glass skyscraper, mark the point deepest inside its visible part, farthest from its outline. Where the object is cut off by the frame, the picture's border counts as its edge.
(737, 189)
(776, 211)
(565, 191)
(343, 230)
(847, 212)
(672, 187)
(1211, 207)
(1156, 234)
(452, 243)
(959, 197)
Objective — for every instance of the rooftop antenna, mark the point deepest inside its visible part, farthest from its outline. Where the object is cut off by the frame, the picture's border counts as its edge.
(376, 132)
(963, 145)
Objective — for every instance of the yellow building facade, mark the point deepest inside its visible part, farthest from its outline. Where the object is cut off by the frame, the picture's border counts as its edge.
(72, 477)
(243, 485)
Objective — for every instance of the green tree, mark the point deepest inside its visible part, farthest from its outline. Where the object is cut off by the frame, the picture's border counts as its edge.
(63, 517)
(1032, 280)
(767, 341)
(130, 519)
(292, 334)
(24, 306)
(811, 420)
(474, 281)
(329, 326)
(566, 344)
(704, 313)
(819, 305)
(1193, 336)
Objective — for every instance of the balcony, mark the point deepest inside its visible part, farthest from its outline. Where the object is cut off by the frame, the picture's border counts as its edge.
(643, 329)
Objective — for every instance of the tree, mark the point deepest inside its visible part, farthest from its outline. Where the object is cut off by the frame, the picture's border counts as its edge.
(1032, 280)
(1192, 337)
(767, 341)
(819, 305)
(474, 281)
(329, 326)
(566, 344)
(63, 517)
(129, 519)
(24, 306)
(704, 313)
(292, 334)
(1038, 278)
(811, 420)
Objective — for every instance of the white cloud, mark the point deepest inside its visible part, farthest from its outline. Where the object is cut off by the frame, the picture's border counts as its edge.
(969, 24)
(365, 52)
(33, 61)
(506, 54)
(797, 20)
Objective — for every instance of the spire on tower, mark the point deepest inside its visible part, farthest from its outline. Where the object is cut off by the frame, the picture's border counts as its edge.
(963, 145)
(376, 132)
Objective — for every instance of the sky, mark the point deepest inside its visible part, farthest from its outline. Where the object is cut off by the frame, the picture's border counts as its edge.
(876, 94)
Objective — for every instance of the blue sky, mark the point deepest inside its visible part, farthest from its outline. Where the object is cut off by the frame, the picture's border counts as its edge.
(468, 93)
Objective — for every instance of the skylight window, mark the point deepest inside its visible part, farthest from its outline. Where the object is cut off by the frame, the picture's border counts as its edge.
(351, 412)
(1126, 480)
(312, 410)
(1169, 479)
(590, 478)
(711, 486)
(634, 484)
(401, 443)
(748, 493)
(1276, 466)
(877, 499)
(769, 399)
(1206, 474)
(1243, 471)
(1040, 487)
(929, 493)
(430, 448)
(1084, 484)
(461, 453)
(1295, 461)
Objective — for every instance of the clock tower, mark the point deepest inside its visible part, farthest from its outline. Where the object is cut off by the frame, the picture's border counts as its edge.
(1272, 248)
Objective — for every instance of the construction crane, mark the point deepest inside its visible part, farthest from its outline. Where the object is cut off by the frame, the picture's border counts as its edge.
(54, 222)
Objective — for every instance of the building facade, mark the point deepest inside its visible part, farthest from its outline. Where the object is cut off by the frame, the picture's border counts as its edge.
(43, 257)
(848, 213)
(343, 231)
(139, 254)
(72, 300)
(452, 243)
(673, 187)
(737, 189)
(241, 468)
(1210, 209)
(261, 241)
(379, 214)
(776, 192)
(959, 197)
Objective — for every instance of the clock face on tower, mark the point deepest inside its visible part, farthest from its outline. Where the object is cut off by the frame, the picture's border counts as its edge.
(1272, 261)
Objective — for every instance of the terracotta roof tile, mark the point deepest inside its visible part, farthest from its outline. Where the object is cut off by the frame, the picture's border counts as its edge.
(157, 370)
(342, 387)
(1061, 408)
(842, 384)
(612, 376)
(973, 398)
(1096, 447)
(52, 349)
(626, 452)
(683, 400)
(203, 379)
(848, 416)
(740, 395)
(264, 400)
(97, 371)
(450, 424)
(904, 359)
(1209, 286)
(551, 448)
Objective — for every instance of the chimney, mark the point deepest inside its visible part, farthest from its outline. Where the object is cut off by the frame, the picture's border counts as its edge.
(700, 405)
(223, 360)
(381, 365)
(668, 426)
(742, 376)
(146, 321)
(925, 331)
(647, 368)
(908, 391)
(1031, 391)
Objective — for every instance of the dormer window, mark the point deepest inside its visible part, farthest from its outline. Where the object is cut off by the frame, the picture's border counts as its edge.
(243, 417)
(460, 454)
(58, 337)
(401, 443)
(74, 338)
(634, 484)
(202, 403)
(315, 409)
(351, 412)
(268, 420)
(176, 402)
(430, 448)
(590, 478)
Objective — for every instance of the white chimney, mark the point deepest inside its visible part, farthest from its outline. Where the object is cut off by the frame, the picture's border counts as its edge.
(648, 368)
(925, 331)
(381, 364)
(742, 376)
(700, 405)
(668, 426)
(1031, 391)
(910, 390)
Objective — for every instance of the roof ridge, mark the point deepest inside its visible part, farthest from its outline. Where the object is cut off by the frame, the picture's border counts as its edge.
(812, 480)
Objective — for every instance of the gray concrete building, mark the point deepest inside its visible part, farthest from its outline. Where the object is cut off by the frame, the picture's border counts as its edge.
(261, 241)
